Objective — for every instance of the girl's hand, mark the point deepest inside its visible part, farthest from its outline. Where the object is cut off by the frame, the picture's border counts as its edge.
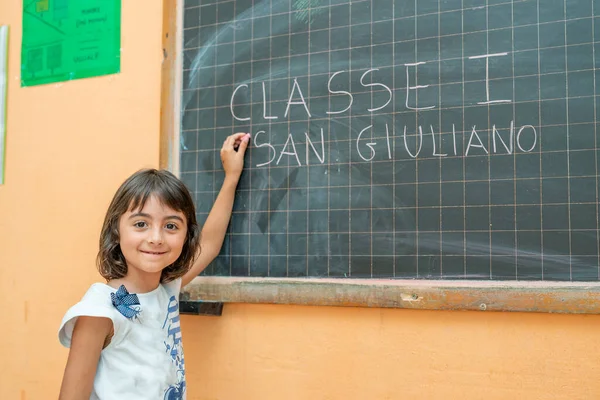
(232, 154)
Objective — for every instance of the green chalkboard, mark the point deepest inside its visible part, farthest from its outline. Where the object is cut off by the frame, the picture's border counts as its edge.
(451, 139)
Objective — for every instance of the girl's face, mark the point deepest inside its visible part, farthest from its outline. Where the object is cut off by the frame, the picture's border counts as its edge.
(152, 238)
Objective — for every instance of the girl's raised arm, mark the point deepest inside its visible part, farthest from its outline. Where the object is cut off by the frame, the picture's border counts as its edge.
(215, 227)
(89, 337)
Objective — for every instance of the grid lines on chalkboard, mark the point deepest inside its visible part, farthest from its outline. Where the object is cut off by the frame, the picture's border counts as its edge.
(371, 170)
(308, 222)
(383, 43)
(596, 138)
(269, 172)
(393, 18)
(288, 160)
(349, 150)
(394, 258)
(441, 258)
(329, 151)
(541, 165)
(215, 136)
(568, 150)
(249, 244)
(489, 142)
(416, 75)
(550, 226)
(464, 193)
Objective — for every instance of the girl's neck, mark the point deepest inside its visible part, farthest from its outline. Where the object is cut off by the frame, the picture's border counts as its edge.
(137, 283)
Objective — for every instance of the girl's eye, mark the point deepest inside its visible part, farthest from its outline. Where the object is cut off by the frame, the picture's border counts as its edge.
(171, 226)
(140, 224)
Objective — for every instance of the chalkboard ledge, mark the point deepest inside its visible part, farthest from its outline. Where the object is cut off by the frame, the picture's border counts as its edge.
(516, 296)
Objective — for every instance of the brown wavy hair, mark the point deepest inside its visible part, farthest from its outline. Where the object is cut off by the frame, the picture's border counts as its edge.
(132, 195)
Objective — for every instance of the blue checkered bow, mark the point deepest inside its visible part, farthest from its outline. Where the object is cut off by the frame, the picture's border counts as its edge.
(125, 302)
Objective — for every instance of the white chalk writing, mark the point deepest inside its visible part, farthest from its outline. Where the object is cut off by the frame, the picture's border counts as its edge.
(376, 141)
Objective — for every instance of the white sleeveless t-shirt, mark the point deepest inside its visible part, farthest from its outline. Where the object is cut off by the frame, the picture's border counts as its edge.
(144, 359)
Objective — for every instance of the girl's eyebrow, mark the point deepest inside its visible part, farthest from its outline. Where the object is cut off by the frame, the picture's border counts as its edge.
(144, 215)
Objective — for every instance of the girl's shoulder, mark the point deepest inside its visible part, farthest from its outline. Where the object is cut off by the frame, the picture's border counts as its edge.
(173, 287)
(96, 302)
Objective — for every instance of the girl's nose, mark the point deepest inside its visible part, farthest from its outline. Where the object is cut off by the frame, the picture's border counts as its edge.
(155, 237)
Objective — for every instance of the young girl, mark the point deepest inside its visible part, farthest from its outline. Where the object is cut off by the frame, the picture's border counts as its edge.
(124, 336)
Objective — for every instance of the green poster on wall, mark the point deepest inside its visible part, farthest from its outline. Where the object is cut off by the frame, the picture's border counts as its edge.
(69, 39)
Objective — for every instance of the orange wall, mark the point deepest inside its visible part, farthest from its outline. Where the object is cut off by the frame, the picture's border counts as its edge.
(69, 147)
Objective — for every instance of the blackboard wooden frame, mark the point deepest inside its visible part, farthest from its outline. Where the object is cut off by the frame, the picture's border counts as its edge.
(515, 296)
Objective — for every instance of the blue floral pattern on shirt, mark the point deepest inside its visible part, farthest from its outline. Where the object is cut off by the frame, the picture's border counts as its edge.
(174, 348)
